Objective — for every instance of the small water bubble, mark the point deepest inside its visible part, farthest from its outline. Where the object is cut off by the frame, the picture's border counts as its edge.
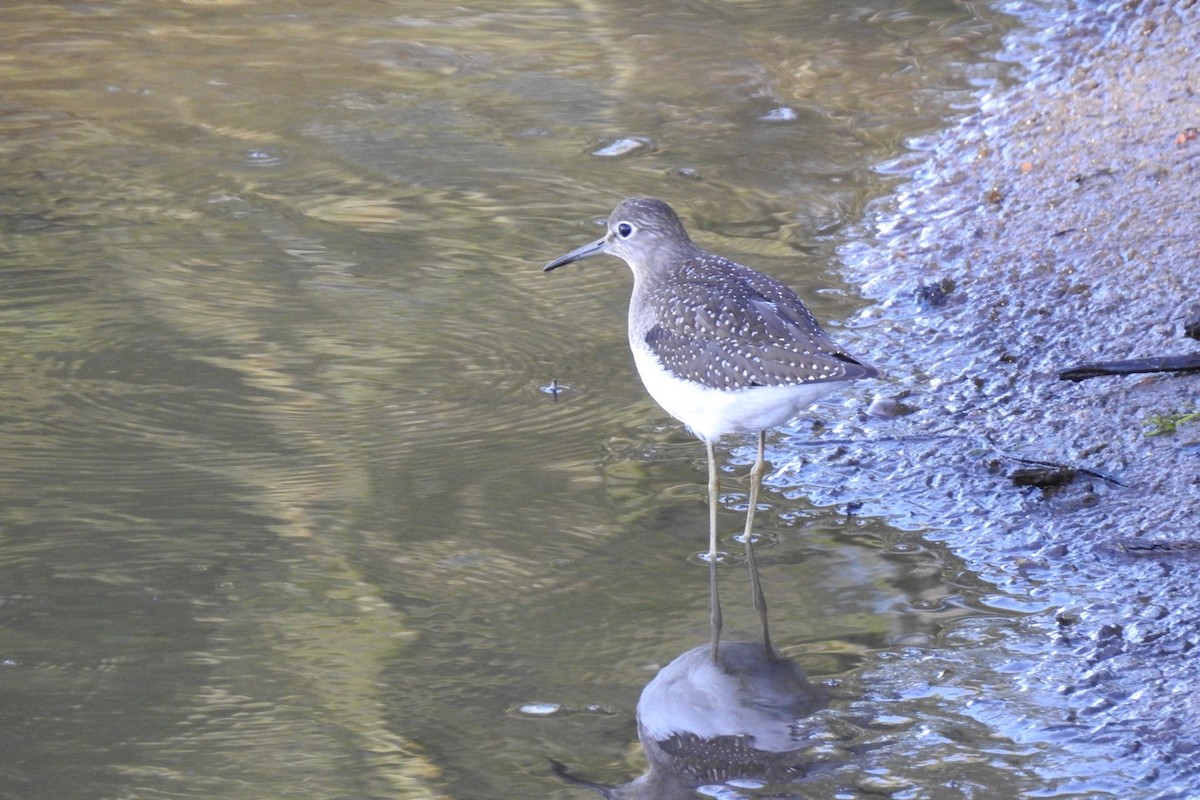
(781, 114)
(263, 158)
(623, 146)
(745, 783)
(688, 173)
(540, 709)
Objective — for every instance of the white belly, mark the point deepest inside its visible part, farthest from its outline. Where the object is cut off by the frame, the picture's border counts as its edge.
(712, 413)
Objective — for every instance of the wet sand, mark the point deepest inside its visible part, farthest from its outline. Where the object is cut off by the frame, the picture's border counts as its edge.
(1063, 220)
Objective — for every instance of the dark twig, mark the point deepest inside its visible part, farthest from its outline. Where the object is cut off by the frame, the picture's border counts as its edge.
(1190, 363)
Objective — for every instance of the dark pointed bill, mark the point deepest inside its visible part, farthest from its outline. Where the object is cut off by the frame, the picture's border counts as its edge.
(591, 249)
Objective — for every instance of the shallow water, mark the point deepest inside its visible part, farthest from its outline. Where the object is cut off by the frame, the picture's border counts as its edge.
(288, 510)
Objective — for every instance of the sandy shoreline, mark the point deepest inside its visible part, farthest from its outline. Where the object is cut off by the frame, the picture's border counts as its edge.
(1064, 215)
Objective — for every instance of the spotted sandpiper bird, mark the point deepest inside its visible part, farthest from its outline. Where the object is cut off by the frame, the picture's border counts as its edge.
(721, 347)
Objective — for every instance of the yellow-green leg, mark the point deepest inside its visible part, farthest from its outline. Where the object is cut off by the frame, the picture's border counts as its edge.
(714, 491)
(757, 596)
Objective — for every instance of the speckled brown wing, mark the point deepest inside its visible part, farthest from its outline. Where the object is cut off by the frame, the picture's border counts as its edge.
(728, 327)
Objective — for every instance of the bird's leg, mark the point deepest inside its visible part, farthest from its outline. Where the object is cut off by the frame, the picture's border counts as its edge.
(714, 490)
(759, 599)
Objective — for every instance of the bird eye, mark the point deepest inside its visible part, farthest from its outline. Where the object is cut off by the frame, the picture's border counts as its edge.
(624, 230)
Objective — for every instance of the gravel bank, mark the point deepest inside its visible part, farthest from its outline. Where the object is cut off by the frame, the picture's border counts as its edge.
(1063, 220)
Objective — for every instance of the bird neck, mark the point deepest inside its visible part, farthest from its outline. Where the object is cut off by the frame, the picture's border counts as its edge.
(661, 264)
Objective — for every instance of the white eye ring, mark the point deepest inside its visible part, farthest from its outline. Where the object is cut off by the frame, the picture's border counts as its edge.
(625, 230)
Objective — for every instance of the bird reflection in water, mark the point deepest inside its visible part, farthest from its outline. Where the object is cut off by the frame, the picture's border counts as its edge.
(704, 723)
